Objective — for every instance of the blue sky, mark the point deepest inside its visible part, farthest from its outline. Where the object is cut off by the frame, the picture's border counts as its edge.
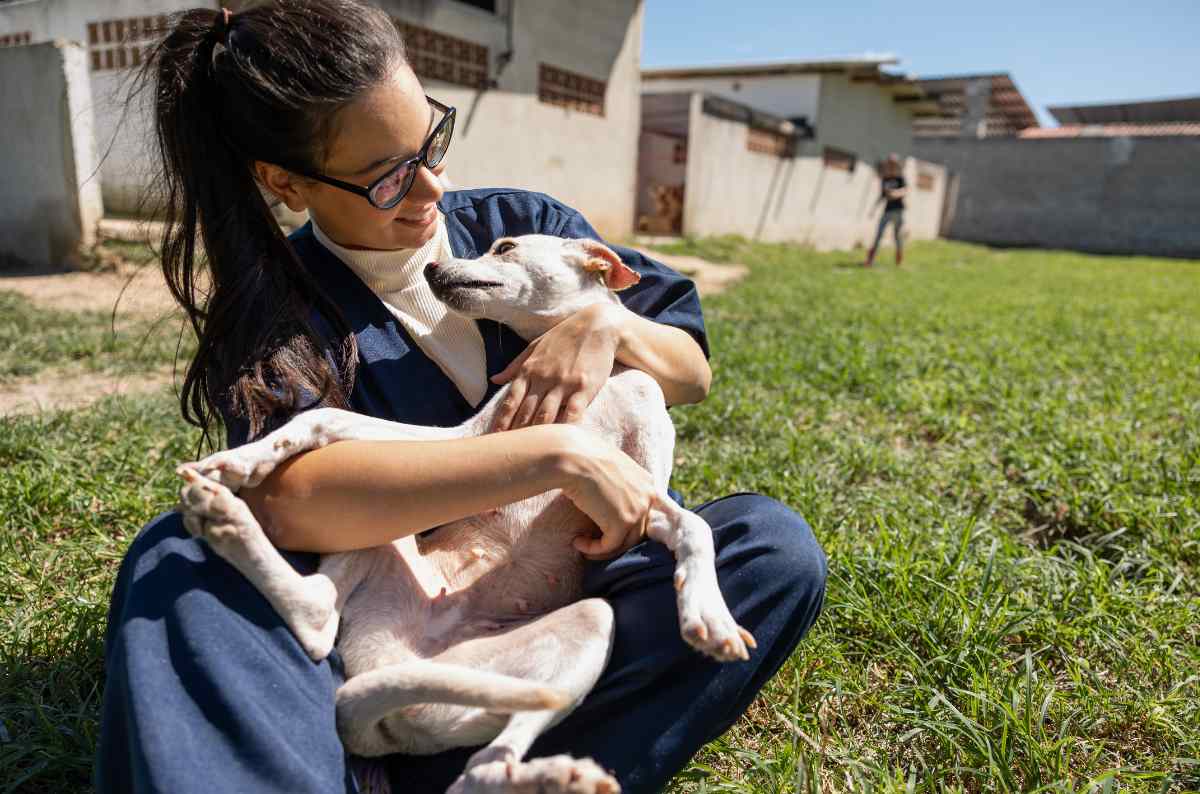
(1058, 52)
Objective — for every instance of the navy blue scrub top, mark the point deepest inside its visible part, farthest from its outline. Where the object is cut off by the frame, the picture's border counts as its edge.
(395, 380)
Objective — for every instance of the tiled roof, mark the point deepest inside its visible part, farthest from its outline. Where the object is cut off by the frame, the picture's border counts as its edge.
(1113, 130)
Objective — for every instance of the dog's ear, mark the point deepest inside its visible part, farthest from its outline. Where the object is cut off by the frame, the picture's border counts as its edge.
(602, 259)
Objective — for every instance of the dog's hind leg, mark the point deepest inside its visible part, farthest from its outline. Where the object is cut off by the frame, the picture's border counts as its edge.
(306, 603)
(567, 648)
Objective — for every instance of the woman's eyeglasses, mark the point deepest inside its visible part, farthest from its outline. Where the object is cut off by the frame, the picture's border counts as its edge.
(390, 189)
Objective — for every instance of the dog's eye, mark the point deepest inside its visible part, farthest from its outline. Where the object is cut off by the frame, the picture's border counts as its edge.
(504, 248)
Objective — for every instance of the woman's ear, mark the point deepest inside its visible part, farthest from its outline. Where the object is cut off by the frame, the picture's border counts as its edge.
(282, 184)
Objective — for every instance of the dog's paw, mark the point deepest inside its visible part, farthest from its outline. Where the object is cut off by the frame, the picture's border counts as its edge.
(211, 511)
(307, 604)
(704, 619)
(241, 467)
(559, 774)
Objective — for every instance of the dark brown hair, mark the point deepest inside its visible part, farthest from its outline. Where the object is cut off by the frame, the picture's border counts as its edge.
(266, 85)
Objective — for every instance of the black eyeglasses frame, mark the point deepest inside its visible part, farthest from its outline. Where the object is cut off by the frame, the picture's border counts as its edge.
(420, 158)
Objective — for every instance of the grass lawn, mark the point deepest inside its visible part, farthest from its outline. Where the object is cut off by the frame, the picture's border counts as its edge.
(999, 451)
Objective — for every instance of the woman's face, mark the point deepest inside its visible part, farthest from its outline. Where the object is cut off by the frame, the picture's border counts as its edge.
(388, 124)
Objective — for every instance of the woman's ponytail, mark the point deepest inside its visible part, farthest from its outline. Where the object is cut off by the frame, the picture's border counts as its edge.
(229, 90)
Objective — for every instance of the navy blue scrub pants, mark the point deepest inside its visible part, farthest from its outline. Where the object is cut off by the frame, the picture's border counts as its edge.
(208, 691)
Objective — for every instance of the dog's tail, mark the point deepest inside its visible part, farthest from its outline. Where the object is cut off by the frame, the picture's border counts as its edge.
(366, 699)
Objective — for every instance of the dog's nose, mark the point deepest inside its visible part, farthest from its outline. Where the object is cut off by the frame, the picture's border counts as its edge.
(430, 269)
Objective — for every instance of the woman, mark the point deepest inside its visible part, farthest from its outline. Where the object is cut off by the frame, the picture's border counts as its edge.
(206, 689)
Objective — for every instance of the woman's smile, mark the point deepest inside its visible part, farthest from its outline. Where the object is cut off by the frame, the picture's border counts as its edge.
(420, 221)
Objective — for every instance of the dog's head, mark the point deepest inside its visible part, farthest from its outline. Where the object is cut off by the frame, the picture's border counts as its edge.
(532, 282)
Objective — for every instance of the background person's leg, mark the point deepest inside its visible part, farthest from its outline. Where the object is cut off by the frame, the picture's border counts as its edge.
(659, 701)
(883, 219)
(207, 690)
(898, 229)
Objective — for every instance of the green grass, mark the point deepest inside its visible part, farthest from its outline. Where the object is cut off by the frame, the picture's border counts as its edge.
(998, 450)
(34, 339)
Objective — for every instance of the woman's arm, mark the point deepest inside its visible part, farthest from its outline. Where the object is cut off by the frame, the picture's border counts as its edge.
(358, 494)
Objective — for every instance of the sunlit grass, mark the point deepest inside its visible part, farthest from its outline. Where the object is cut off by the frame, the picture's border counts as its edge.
(998, 450)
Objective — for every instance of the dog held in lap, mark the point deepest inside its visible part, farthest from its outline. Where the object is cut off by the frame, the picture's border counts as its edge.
(476, 633)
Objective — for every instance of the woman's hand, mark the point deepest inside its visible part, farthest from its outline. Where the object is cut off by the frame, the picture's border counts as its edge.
(556, 378)
(612, 489)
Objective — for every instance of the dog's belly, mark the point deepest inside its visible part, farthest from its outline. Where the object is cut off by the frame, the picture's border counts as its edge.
(479, 576)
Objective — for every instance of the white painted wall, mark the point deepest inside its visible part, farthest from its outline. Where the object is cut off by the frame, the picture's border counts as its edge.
(48, 206)
(504, 137)
(731, 190)
(862, 118)
(121, 137)
(782, 95)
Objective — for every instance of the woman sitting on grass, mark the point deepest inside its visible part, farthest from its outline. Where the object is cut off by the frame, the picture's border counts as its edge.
(207, 690)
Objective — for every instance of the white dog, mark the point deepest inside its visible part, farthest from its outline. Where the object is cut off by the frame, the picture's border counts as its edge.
(477, 632)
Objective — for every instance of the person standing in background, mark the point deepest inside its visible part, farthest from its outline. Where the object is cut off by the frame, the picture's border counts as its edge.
(892, 191)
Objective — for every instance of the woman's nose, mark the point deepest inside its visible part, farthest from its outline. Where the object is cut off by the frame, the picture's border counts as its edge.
(427, 186)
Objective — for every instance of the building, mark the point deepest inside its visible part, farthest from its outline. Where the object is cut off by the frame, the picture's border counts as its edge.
(1157, 118)
(780, 151)
(974, 106)
(547, 90)
(1120, 178)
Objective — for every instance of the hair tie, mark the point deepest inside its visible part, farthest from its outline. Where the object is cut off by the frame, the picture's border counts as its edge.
(221, 28)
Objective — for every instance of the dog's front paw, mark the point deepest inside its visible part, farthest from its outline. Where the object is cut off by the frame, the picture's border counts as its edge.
(211, 511)
(559, 774)
(307, 603)
(241, 467)
(704, 618)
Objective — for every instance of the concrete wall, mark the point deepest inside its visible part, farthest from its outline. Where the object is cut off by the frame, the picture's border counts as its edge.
(862, 118)
(504, 137)
(1106, 195)
(122, 138)
(786, 96)
(48, 204)
(731, 190)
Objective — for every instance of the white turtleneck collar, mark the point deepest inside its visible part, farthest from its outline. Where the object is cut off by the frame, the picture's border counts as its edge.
(389, 271)
(397, 277)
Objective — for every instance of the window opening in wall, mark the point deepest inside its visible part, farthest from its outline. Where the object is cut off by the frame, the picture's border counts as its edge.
(768, 142)
(438, 56)
(838, 159)
(570, 90)
(15, 39)
(122, 43)
(486, 5)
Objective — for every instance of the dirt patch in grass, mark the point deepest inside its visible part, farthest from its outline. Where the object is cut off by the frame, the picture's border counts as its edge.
(710, 278)
(57, 389)
(131, 290)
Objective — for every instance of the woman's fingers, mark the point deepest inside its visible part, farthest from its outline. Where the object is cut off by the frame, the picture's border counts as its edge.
(547, 411)
(602, 548)
(525, 412)
(613, 543)
(576, 404)
(510, 405)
